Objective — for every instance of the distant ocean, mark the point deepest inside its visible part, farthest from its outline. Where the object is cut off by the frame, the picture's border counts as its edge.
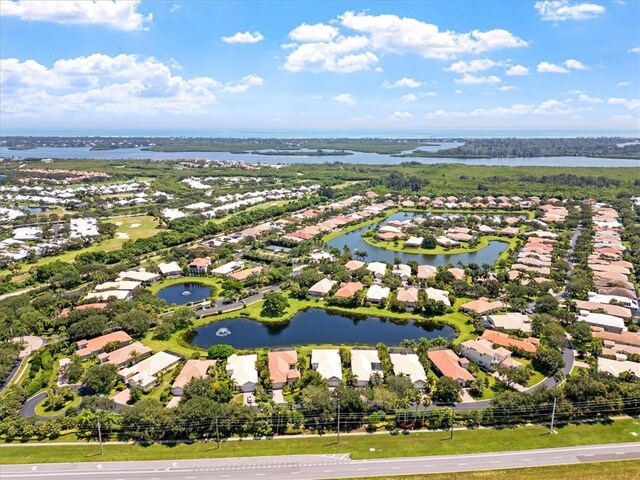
(292, 133)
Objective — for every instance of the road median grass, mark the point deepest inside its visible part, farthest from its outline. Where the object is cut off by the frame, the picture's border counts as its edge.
(416, 443)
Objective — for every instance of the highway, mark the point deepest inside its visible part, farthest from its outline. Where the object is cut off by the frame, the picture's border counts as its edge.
(306, 467)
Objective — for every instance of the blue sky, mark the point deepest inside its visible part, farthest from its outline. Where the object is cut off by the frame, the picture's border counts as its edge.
(370, 66)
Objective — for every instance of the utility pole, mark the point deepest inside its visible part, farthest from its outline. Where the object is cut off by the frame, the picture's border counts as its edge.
(217, 433)
(553, 415)
(338, 439)
(100, 437)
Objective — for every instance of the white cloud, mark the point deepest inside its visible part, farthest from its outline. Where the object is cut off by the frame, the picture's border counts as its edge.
(562, 10)
(364, 118)
(243, 37)
(323, 48)
(630, 103)
(546, 67)
(174, 8)
(519, 109)
(402, 83)
(475, 80)
(319, 32)
(119, 15)
(444, 113)
(623, 83)
(583, 97)
(575, 64)
(458, 92)
(634, 50)
(472, 66)
(173, 63)
(101, 83)
(244, 84)
(517, 70)
(506, 88)
(400, 116)
(345, 98)
(409, 98)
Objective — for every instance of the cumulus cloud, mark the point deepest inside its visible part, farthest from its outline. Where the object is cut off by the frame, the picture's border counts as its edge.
(400, 116)
(175, 7)
(404, 82)
(546, 67)
(623, 83)
(506, 88)
(322, 47)
(630, 103)
(562, 10)
(469, 79)
(101, 83)
(444, 113)
(548, 107)
(243, 37)
(409, 98)
(575, 64)
(517, 70)
(118, 15)
(634, 50)
(472, 66)
(244, 84)
(584, 98)
(319, 32)
(345, 98)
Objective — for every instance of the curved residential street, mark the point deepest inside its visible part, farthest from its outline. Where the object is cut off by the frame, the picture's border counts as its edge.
(300, 467)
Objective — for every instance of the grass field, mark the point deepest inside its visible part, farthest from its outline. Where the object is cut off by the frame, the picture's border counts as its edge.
(625, 470)
(359, 446)
(146, 228)
(438, 250)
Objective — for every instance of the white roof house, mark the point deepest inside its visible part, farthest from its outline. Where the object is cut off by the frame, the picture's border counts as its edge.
(600, 298)
(378, 269)
(228, 268)
(365, 364)
(608, 322)
(140, 275)
(408, 364)
(83, 227)
(242, 369)
(169, 269)
(376, 293)
(27, 233)
(616, 367)
(402, 271)
(414, 242)
(128, 285)
(327, 364)
(198, 206)
(143, 374)
(510, 321)
(107, 294)
(438, 295)
(322, 288)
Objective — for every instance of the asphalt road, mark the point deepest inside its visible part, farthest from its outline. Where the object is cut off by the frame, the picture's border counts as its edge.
(319, 466)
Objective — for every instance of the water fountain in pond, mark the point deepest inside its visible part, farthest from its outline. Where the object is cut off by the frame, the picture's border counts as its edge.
(186, 293)
(223, 332)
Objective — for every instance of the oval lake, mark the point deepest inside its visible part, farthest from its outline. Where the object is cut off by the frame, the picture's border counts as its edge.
(176, 293)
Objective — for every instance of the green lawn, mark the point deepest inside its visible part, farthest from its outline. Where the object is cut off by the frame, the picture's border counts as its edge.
(146, 228)
(438, 250)
(622, 470)
(44, 412)
(359, 446)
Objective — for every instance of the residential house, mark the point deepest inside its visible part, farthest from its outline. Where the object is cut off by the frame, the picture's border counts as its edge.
(96, 345)
(365, 365)
(228, 268)
(170, 270)
(481, 352)
(199, 266)
(408, 296)
(413, 242)
(509, 321)
(402, 271)
(124, 355)
(377, 293)
(618, 366)
(378, 269)
(349, 289)
(528, 345)
(352, 265)
(327, 364)
(482, 306)
(322, 288)
(438, 295)
(408, 364)
(242, 369)
(141, 275)
(243, 275)
(608, 322)
(143, 374)
(425, 272)
(283, 368)
(451, 365)
(192, 369)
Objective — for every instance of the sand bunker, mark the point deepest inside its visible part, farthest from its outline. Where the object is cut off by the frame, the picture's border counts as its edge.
(118, 223)
(123, 236)
(134, 225)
